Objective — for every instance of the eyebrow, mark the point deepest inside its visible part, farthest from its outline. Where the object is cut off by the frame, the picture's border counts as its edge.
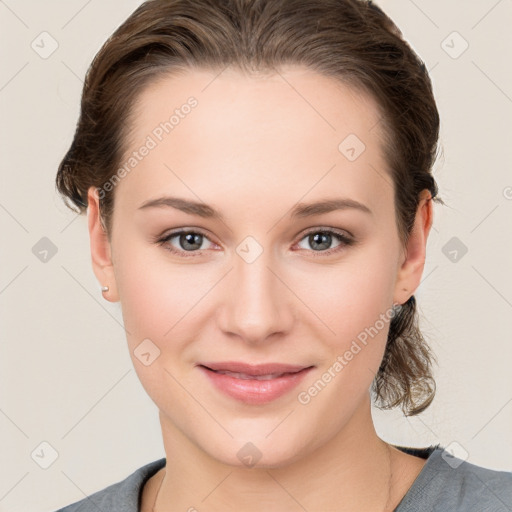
(300, 209)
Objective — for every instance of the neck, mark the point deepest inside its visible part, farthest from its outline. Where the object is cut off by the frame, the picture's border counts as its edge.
(355, 470)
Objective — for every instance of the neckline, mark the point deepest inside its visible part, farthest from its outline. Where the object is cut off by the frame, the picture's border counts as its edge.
(428, 453)
(423, 453)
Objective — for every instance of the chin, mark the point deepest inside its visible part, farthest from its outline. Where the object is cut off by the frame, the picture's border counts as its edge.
(258, 451)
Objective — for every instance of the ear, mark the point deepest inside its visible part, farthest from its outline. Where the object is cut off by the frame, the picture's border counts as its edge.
(411, 269)
(101, 252)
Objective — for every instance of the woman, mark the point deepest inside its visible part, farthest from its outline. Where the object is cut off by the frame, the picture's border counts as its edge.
(258, 181)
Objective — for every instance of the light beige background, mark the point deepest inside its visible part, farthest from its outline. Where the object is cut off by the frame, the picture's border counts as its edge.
(65, 374)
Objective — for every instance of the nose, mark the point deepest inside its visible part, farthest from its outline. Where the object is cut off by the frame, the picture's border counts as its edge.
(257, 302)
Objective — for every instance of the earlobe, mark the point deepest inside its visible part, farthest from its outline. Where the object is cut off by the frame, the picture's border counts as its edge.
(411, 270)
(101, 253)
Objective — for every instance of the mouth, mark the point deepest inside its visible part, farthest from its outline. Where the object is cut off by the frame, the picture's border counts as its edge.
(247, 376)
(254, 384)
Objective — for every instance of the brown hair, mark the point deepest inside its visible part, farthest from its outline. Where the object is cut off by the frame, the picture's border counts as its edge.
(349, 40)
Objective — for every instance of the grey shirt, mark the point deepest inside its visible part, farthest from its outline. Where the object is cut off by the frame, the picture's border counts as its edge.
(445, 484)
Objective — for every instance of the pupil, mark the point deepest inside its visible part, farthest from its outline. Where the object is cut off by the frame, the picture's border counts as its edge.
(317, 236)
(190, 238)
(322, 239)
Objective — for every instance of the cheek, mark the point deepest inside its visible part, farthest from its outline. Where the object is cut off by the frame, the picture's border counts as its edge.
(353, 301)
(155, 294)
(351, 296)
(157, 300)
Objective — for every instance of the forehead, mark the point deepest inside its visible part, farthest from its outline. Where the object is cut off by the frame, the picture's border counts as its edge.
(258, 103)
(294, 129)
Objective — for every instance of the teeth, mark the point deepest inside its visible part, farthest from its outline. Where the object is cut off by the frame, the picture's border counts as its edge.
(245, 376)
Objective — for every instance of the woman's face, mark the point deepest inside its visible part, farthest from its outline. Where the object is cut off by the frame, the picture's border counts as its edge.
(256, 280)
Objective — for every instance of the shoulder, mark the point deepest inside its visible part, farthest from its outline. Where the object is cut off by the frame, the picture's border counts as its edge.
(448, 483)
(122, 496)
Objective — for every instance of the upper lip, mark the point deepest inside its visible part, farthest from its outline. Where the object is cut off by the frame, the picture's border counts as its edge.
(253, 369)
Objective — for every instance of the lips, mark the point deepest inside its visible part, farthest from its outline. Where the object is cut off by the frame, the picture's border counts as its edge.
(253, 384)
(246, 376)
(249, 371)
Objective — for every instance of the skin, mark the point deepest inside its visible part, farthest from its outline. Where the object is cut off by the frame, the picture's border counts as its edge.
(253, 148)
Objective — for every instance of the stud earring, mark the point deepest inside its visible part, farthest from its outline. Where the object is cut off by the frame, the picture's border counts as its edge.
(104, 288)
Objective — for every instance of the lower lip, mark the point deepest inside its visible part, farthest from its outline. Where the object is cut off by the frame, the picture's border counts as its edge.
(255, 392)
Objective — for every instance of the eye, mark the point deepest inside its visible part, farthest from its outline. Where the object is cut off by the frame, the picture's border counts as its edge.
(188, 241)
(320, 239)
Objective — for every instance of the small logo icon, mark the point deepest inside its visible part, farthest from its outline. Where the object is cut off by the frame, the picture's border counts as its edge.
(146, 352)
(44, 250)
(454, 45)
(44, 455)
(249, 454)
(249, 249)
(454, 454)
(454, 249)
(351, 147)
(44, 45)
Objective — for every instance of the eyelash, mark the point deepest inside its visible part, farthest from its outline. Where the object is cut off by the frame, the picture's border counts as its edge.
(344, 240)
